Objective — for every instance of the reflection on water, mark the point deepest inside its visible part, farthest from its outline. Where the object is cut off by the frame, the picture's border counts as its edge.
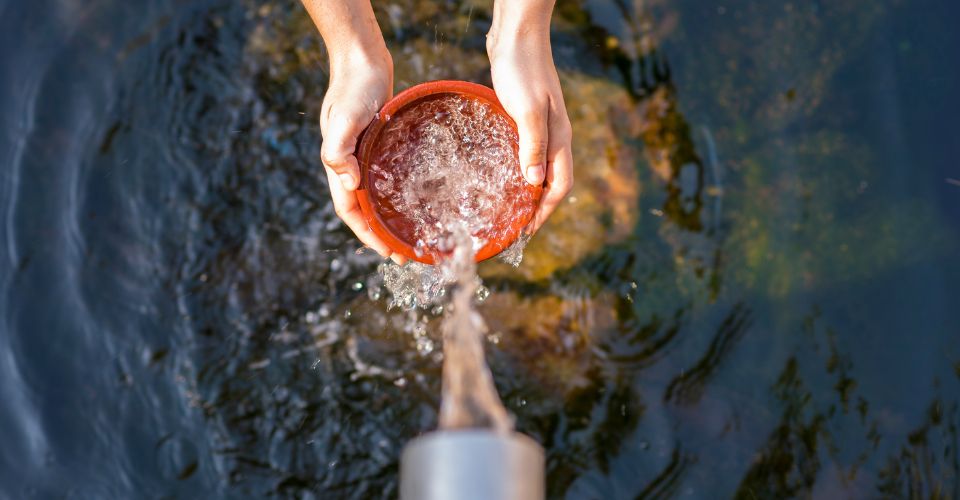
(751, 289)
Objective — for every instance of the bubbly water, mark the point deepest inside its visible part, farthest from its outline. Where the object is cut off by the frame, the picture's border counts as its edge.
(448, 161)
(449, 180)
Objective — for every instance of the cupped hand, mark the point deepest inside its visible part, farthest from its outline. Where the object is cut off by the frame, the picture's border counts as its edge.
(357, 90)
(526, 82)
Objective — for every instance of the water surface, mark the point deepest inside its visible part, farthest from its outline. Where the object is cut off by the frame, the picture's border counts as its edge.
(752, 290)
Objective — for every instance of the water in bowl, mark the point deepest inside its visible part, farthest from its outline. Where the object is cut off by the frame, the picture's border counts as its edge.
(448, 160)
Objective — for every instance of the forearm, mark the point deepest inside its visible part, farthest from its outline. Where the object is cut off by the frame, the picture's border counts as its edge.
(350, 32)
(519, 21)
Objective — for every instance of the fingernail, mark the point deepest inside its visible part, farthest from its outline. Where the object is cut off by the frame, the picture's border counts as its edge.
(396, 258)
(535, 174)
(347, 181)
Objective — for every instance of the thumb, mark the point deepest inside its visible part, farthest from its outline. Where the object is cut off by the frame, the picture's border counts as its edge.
(337, 153)
(533, 146)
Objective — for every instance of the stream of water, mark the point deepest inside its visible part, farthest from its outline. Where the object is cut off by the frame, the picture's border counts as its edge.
(469, 396)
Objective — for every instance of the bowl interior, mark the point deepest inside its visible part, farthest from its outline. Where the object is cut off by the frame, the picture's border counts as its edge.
(441, 150)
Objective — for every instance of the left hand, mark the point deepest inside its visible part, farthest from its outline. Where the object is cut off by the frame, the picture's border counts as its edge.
(526, 82)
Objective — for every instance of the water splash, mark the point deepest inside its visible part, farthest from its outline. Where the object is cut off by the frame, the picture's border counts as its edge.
(414, 285)
(513, 255)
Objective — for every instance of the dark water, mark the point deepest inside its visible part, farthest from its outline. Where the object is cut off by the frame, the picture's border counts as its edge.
(753, 291)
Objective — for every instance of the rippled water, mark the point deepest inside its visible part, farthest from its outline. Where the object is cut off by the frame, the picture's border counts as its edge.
(752, 290)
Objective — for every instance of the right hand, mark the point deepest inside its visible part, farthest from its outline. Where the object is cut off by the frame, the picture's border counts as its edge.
(526, 82)
(358, 89)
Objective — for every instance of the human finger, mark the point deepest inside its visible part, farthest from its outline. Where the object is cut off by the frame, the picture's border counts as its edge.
(347, 207)
(532, 128)
(336, 152)
(559, 177)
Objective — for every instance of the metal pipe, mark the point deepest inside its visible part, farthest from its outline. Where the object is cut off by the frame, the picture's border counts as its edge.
(472, 465)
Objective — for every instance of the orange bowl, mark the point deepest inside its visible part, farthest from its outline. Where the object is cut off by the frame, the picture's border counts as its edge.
(393, 227)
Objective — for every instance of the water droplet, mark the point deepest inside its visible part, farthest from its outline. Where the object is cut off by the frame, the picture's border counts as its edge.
(311, 318)
(424, 346)
(357, 286)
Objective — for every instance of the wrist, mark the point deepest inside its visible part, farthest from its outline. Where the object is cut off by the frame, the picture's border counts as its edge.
(351, 35)
(519, 24)
(360, 55)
